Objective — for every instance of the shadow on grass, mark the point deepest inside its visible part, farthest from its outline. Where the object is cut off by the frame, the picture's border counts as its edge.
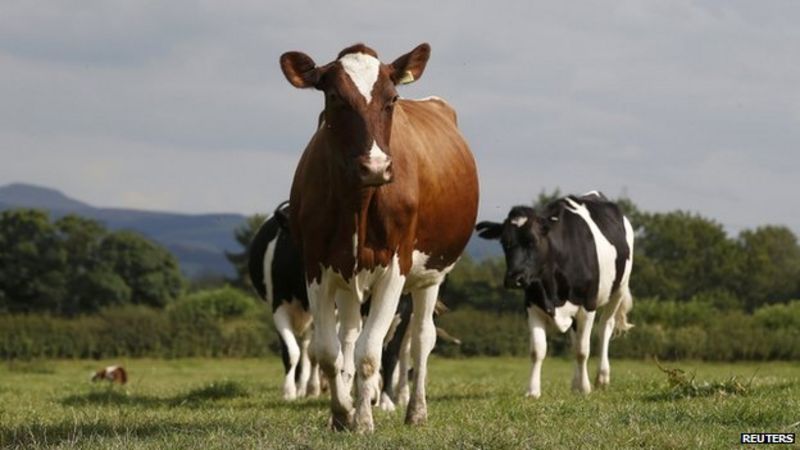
(298, 405)
(70, 434)
(34, 366)
(456, 397)
(214, 391)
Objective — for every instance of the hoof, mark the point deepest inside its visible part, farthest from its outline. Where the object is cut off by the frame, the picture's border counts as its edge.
(416, 416)
(341, 422)
(386, 403)
(532, 394)
(416, 419)
(365, 427)
(602, 381)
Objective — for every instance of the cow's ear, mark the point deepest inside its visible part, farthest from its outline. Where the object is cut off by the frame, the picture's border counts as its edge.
(282, 215)
(300, 69)
(409, 67)
(489, 230)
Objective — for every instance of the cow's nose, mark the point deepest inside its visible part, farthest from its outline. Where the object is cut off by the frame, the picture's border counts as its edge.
(515, 280)
(376, 171)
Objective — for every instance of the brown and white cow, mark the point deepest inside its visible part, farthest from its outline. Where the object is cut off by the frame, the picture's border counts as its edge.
(112, 374)
(384, 199)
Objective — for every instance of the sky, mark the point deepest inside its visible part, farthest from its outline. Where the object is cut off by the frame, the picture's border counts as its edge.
(181, 105)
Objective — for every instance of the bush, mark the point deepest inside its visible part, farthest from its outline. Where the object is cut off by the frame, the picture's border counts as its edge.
(226, 322)
(223, 322)
(221, 303)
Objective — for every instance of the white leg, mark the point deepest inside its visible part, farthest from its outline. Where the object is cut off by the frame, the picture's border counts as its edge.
(283, 324)
(313, 388)
(305, 365)
(581, 343)
(401, 392)
(349, 328)
(328, 352)
(423, 338)
(538, 349)
(386, 296)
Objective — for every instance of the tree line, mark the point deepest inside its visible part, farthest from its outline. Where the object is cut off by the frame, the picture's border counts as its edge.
(71, 288)
(74, 265)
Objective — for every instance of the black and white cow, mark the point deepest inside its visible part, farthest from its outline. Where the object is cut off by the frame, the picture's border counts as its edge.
(572, 258)
(276, 270)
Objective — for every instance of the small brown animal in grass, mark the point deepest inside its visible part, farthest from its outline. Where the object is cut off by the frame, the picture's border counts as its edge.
(113, 374)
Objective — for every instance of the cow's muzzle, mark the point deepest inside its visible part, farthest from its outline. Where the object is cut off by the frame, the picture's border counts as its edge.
(375, 171)
(516, 280)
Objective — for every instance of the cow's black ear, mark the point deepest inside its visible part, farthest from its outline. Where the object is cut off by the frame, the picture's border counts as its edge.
(489, 230)
(282, 215)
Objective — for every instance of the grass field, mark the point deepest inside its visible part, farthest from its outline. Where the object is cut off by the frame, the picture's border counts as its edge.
(473, 403)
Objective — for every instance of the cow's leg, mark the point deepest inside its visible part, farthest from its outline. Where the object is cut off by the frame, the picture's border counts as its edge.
(313, 387)
(392, 353)
(581, 343)
(349, 328)
(607, 322)
(538, 349)
(386, 295)
(305, 365)
(423, 338)
(403, 366)
(283, 324)
(327, 350)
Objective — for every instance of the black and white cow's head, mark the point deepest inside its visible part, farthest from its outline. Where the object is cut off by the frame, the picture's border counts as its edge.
(524, 237)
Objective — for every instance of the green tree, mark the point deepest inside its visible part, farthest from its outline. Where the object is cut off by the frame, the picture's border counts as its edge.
(545, 198)
(771, 265)
(32, 263)
(480, 285)
(150, 271)
(679, 255)
(91, 282)
(243, 234)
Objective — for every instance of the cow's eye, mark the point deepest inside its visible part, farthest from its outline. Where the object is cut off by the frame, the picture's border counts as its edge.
(391, 103)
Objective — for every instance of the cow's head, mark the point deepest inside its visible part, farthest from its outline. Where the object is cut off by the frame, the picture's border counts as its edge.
(360, 95)
(524, 237)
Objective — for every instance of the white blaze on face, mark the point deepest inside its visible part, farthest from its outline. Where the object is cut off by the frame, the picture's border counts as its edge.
(606, 253)
(519, 221)
(378, 160)
(363, 71)
(269, 256)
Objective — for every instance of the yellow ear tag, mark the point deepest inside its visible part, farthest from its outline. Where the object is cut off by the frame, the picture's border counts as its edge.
(408, 77)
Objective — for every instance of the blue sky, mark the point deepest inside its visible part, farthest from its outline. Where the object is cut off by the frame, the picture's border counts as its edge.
(182, 106)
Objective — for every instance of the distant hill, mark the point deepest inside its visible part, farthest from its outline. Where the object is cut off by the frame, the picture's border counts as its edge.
(199, 241)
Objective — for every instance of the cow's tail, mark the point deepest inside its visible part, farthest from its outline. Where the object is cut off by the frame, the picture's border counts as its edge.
(621, 324)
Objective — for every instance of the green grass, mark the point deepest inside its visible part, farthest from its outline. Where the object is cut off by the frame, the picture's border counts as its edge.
(473, 403)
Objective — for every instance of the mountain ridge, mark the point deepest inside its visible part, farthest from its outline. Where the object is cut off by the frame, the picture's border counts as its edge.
(198, 241)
